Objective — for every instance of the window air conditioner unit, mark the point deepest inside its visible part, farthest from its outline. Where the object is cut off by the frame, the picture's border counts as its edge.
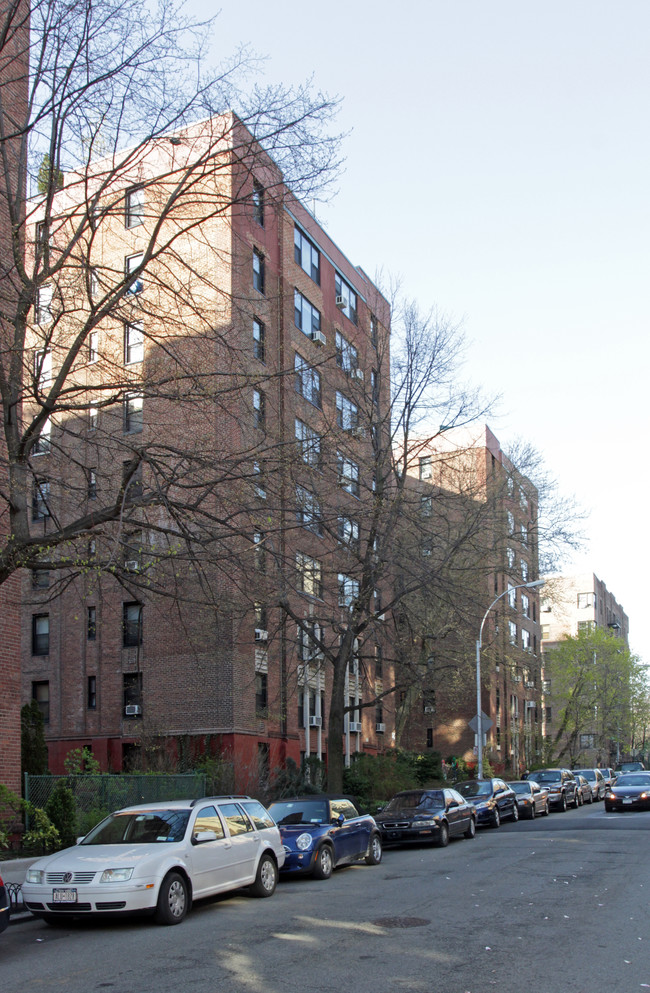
(315, 722)
(356, 726)
(380, 728)
(340, 302)
(132, 565)
(358, 432)
(358, 374)
(132, 710)
(318, 337)
(261, 634)
(429, 710)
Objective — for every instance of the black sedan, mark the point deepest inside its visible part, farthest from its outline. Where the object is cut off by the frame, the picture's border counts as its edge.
(426, 815)
(4, 906)
(630, 792)
(492, 799)
(531, 798)
(320, 832)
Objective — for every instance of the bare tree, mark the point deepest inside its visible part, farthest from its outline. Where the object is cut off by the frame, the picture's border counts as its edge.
(128, 141)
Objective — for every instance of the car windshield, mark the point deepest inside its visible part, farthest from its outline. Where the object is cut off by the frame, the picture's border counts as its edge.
(548, 776)
(140, 827)
(633, 780)
(473, 788)
(587, 773)
(521, 787)
(299, 811)
(416, 799)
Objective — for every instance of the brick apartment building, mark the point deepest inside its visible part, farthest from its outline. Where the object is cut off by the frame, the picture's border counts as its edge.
(501, 554)
(14, 60)
(220, 403)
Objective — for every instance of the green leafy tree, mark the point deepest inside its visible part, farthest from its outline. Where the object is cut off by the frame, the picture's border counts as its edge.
(62, 811)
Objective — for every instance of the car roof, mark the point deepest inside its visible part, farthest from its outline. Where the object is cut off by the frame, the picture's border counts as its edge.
(315, 796)
(185, 804)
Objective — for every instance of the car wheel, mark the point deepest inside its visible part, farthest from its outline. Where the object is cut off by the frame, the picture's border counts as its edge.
(591, 798)
(374, 853)
(267, 877)
(471, 829)
(532, 812)
(443, 836)
(173, 899)
(547, 809)
(515, 813)
(577, 797)
(324, 863)
(563, 804)
(496, 818)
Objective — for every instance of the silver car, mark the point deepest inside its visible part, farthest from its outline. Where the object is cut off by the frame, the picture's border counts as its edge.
(157, 858)
(595, 779)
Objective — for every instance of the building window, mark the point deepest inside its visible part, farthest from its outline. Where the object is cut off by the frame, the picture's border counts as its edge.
(258, 203)
(346, 298)
(512, 628)
(525, 639)
(348, 532)
(258, 271)
(93, 346)
(546, 632)
(525, 605)
(40, 500)
(261, 617)
(92, 484)
(379, 662)
(259, 340)
(132, 694)
(134, 207)
(41, 693)
(587, 741)
(131, 624)
(348, 590)
(347, 357)
(307, 381)
(426, 468)
(91, 624)
(374, 331)
(510, 554)
(309, 579)
(586, 627)
(91, 693)
(259, 409)
(133, 413)
(259, 551)
(131, 264)
(43, 308)
(133, 343)
(261, 694)
(306, 255)
(43, 368)
(586, 600)
(426, 506)
(511, 524)
(347, 413)
(93, 417)
(309, 444)
(305, 315)
(524, 570)
(133, 480)
(512, 597)
(426, 548)
(348, 473)
(308, 510)
(42, 444)
(40, 579)
(40, 634)
(548, 713)
(258, 481)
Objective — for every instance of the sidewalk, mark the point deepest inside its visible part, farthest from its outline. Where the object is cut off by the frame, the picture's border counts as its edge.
(13, 871)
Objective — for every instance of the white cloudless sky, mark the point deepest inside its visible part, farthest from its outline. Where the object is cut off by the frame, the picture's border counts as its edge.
(498, 160)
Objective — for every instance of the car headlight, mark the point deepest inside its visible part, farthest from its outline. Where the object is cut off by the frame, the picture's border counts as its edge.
(643, 796)
(425, 822)
(35, 876)
(304, 841)
(116, 875)
(483, 805)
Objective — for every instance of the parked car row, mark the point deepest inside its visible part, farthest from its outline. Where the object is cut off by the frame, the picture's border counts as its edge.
(159, 857)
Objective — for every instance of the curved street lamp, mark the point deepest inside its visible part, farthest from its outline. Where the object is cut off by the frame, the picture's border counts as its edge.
(479, 719)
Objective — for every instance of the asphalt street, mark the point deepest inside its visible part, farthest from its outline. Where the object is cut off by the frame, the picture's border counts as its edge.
(559, 904)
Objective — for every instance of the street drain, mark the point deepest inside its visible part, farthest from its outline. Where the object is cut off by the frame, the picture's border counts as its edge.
(396, 922)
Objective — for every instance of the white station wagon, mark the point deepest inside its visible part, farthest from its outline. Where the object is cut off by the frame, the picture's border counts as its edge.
(158, 858)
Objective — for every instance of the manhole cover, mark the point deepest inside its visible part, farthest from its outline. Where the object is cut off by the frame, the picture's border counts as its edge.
(395, 922)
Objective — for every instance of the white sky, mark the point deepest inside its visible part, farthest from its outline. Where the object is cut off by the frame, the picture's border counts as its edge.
(499, 162)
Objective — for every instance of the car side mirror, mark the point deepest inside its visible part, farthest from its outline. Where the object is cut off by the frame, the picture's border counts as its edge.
(452, 803)
(200, 837)
(338, 820)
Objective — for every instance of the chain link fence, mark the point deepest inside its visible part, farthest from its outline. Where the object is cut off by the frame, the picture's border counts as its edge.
(97, 796)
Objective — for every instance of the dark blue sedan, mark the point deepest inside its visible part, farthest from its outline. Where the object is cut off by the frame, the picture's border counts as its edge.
(320, 832)
(492, 798)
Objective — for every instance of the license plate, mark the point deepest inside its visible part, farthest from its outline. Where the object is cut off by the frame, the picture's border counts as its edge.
(64, 895)
(627, 801)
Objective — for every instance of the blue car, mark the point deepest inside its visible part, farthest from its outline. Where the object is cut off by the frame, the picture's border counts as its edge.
(492, 798)
(320, 832)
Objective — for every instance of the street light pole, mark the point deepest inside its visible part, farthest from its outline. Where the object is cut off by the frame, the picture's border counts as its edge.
(479, 719)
